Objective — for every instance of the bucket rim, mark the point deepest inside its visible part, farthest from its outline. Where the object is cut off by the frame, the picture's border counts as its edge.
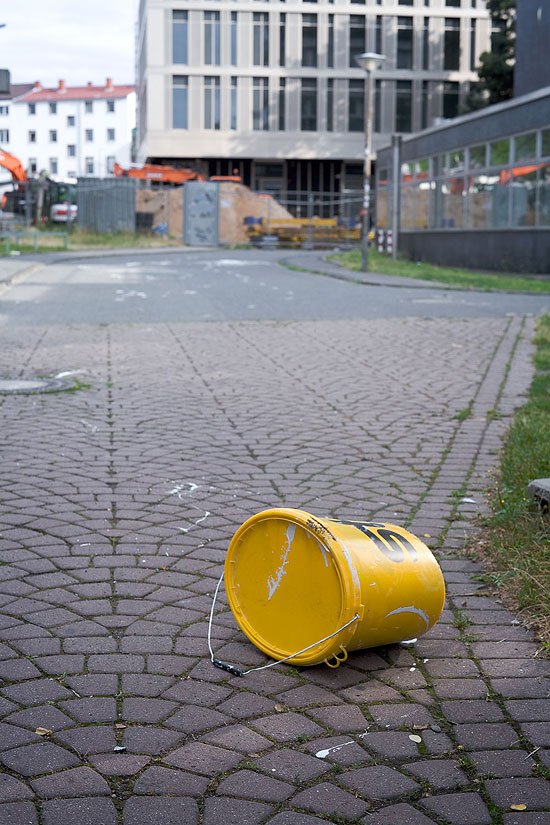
(347, 577)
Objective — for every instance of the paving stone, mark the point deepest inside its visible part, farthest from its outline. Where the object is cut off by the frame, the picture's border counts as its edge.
(460, 688)
(192, 719)
(340, 718)
(404, 714)
(85, 811)
(459, 809)
(305, 696)
(394, 745)
(160, 781)
(536, 688)
(293, 818)
(472, 710)
(528, 710)
(151, 740)
(94, 684)
(18, 813)
(379, 782)
(503, 762)
(74, 782)
(234, 812)
(88, 739)
(441, 774)
(14, 670)
(292, 766)
(329, 800)
(534, 792)
(45, 716)
(36, 692)
(538, 733)
(526, 818)
(143, 684)
(489, 736)
(13, 790)
(116, 663)
(203, 758)
(143, 811)
(149, 711)
(286, 727)
(400, 814)
(237, 737)
(33, 760)
(249, 785)
(91, 709)
(118, 764)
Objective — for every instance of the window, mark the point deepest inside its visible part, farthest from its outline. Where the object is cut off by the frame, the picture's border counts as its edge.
(110, 105)
(404, 43)
(309, 40)
(406, 2)
(356, 106)
(282, 39)
(473, 55)
(110, 134)
(377, 105)
(477, 156)
(33, 165)
(71, 150)
(233, 103)
(70, 120)
(260, 104)
(180, 90)
(330, 42)
(378, 35)
(109, 164)
(4, 110)
(403, 106)
(180, 35)
(545, 149)
(454, 3)
(53, 108)
(330, 105)
(309, 105)
(234, 38)
(212, 38)
(425, 105)
(282, 104)
(31, 108)
(211, 102)
(450, 99)
(260, 27)
(356, 38)
(89, 106)
(89, 166)
(32, 136)
(53, 166)
(525, 146)
(53, 135)
(89, 135)
(4, 135)
(499, 152)
(426, 44)
(451, 44)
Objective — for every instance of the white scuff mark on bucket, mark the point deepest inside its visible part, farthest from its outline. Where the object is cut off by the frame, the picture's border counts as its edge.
(324, 552)
(68, 373)
(410, 609)
(325, 752)
(352, 570)
(408, 642)
(274, 582)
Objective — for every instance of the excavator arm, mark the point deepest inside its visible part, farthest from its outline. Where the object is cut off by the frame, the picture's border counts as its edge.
(13, 165)
(158, 174)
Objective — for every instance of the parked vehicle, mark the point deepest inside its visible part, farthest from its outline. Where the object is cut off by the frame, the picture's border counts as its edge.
(41, 199)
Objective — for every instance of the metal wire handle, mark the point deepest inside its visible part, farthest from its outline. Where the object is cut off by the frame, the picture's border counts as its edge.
(237, 671)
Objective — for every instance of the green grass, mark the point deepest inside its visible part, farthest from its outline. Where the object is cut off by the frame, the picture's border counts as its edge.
(465, 278)
(52, 240)
(515, 544)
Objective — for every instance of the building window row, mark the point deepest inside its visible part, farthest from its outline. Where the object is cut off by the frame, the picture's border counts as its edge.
(404, 45)
(53, 109)
(411, 105)
(110, 135)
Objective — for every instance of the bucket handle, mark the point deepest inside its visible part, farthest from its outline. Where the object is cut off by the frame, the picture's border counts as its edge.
(337, 658)
(237, 671)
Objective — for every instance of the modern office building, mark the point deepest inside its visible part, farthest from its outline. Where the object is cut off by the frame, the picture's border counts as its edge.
(272, 89)
(68, 131)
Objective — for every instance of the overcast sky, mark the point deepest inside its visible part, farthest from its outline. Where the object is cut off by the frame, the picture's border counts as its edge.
(73, 40)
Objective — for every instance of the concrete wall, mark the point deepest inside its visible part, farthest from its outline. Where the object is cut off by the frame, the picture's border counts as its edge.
(520, 250)
(532, 69)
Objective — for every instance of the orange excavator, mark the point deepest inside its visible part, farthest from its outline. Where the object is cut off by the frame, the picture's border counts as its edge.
(168, 174)
(48, 199)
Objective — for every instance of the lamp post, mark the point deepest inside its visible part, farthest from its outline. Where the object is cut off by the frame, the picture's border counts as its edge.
(369, 62)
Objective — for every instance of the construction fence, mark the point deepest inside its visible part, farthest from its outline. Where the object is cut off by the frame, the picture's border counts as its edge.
(219, 213)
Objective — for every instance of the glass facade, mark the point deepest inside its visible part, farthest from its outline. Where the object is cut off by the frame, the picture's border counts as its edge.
(502, 184)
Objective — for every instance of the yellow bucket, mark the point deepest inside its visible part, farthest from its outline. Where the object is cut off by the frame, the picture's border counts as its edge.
(310, 589)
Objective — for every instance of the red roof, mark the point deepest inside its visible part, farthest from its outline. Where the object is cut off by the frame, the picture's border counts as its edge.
(89, 92)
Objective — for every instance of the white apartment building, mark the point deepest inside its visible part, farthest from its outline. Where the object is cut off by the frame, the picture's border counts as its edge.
(271, 87)
(68, 131)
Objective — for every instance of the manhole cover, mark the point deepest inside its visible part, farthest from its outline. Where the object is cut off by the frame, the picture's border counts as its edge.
(22, 385)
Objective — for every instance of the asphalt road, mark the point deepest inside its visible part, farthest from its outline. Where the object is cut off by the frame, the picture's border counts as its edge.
(230, 286)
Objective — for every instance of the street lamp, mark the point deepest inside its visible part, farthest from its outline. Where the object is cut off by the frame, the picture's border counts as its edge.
(369, 62)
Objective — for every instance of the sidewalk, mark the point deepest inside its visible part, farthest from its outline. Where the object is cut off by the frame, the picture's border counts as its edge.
(117, 504)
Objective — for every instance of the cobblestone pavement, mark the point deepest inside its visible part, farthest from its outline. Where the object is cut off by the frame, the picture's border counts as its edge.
(117, 504)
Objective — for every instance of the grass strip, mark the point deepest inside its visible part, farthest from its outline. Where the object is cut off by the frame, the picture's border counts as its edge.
(515, 542)
(464, 278)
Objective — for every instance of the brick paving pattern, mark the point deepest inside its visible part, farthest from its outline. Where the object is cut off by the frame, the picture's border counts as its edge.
(117, 504)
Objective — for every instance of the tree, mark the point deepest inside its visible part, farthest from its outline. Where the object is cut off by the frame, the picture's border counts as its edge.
(496, 72)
